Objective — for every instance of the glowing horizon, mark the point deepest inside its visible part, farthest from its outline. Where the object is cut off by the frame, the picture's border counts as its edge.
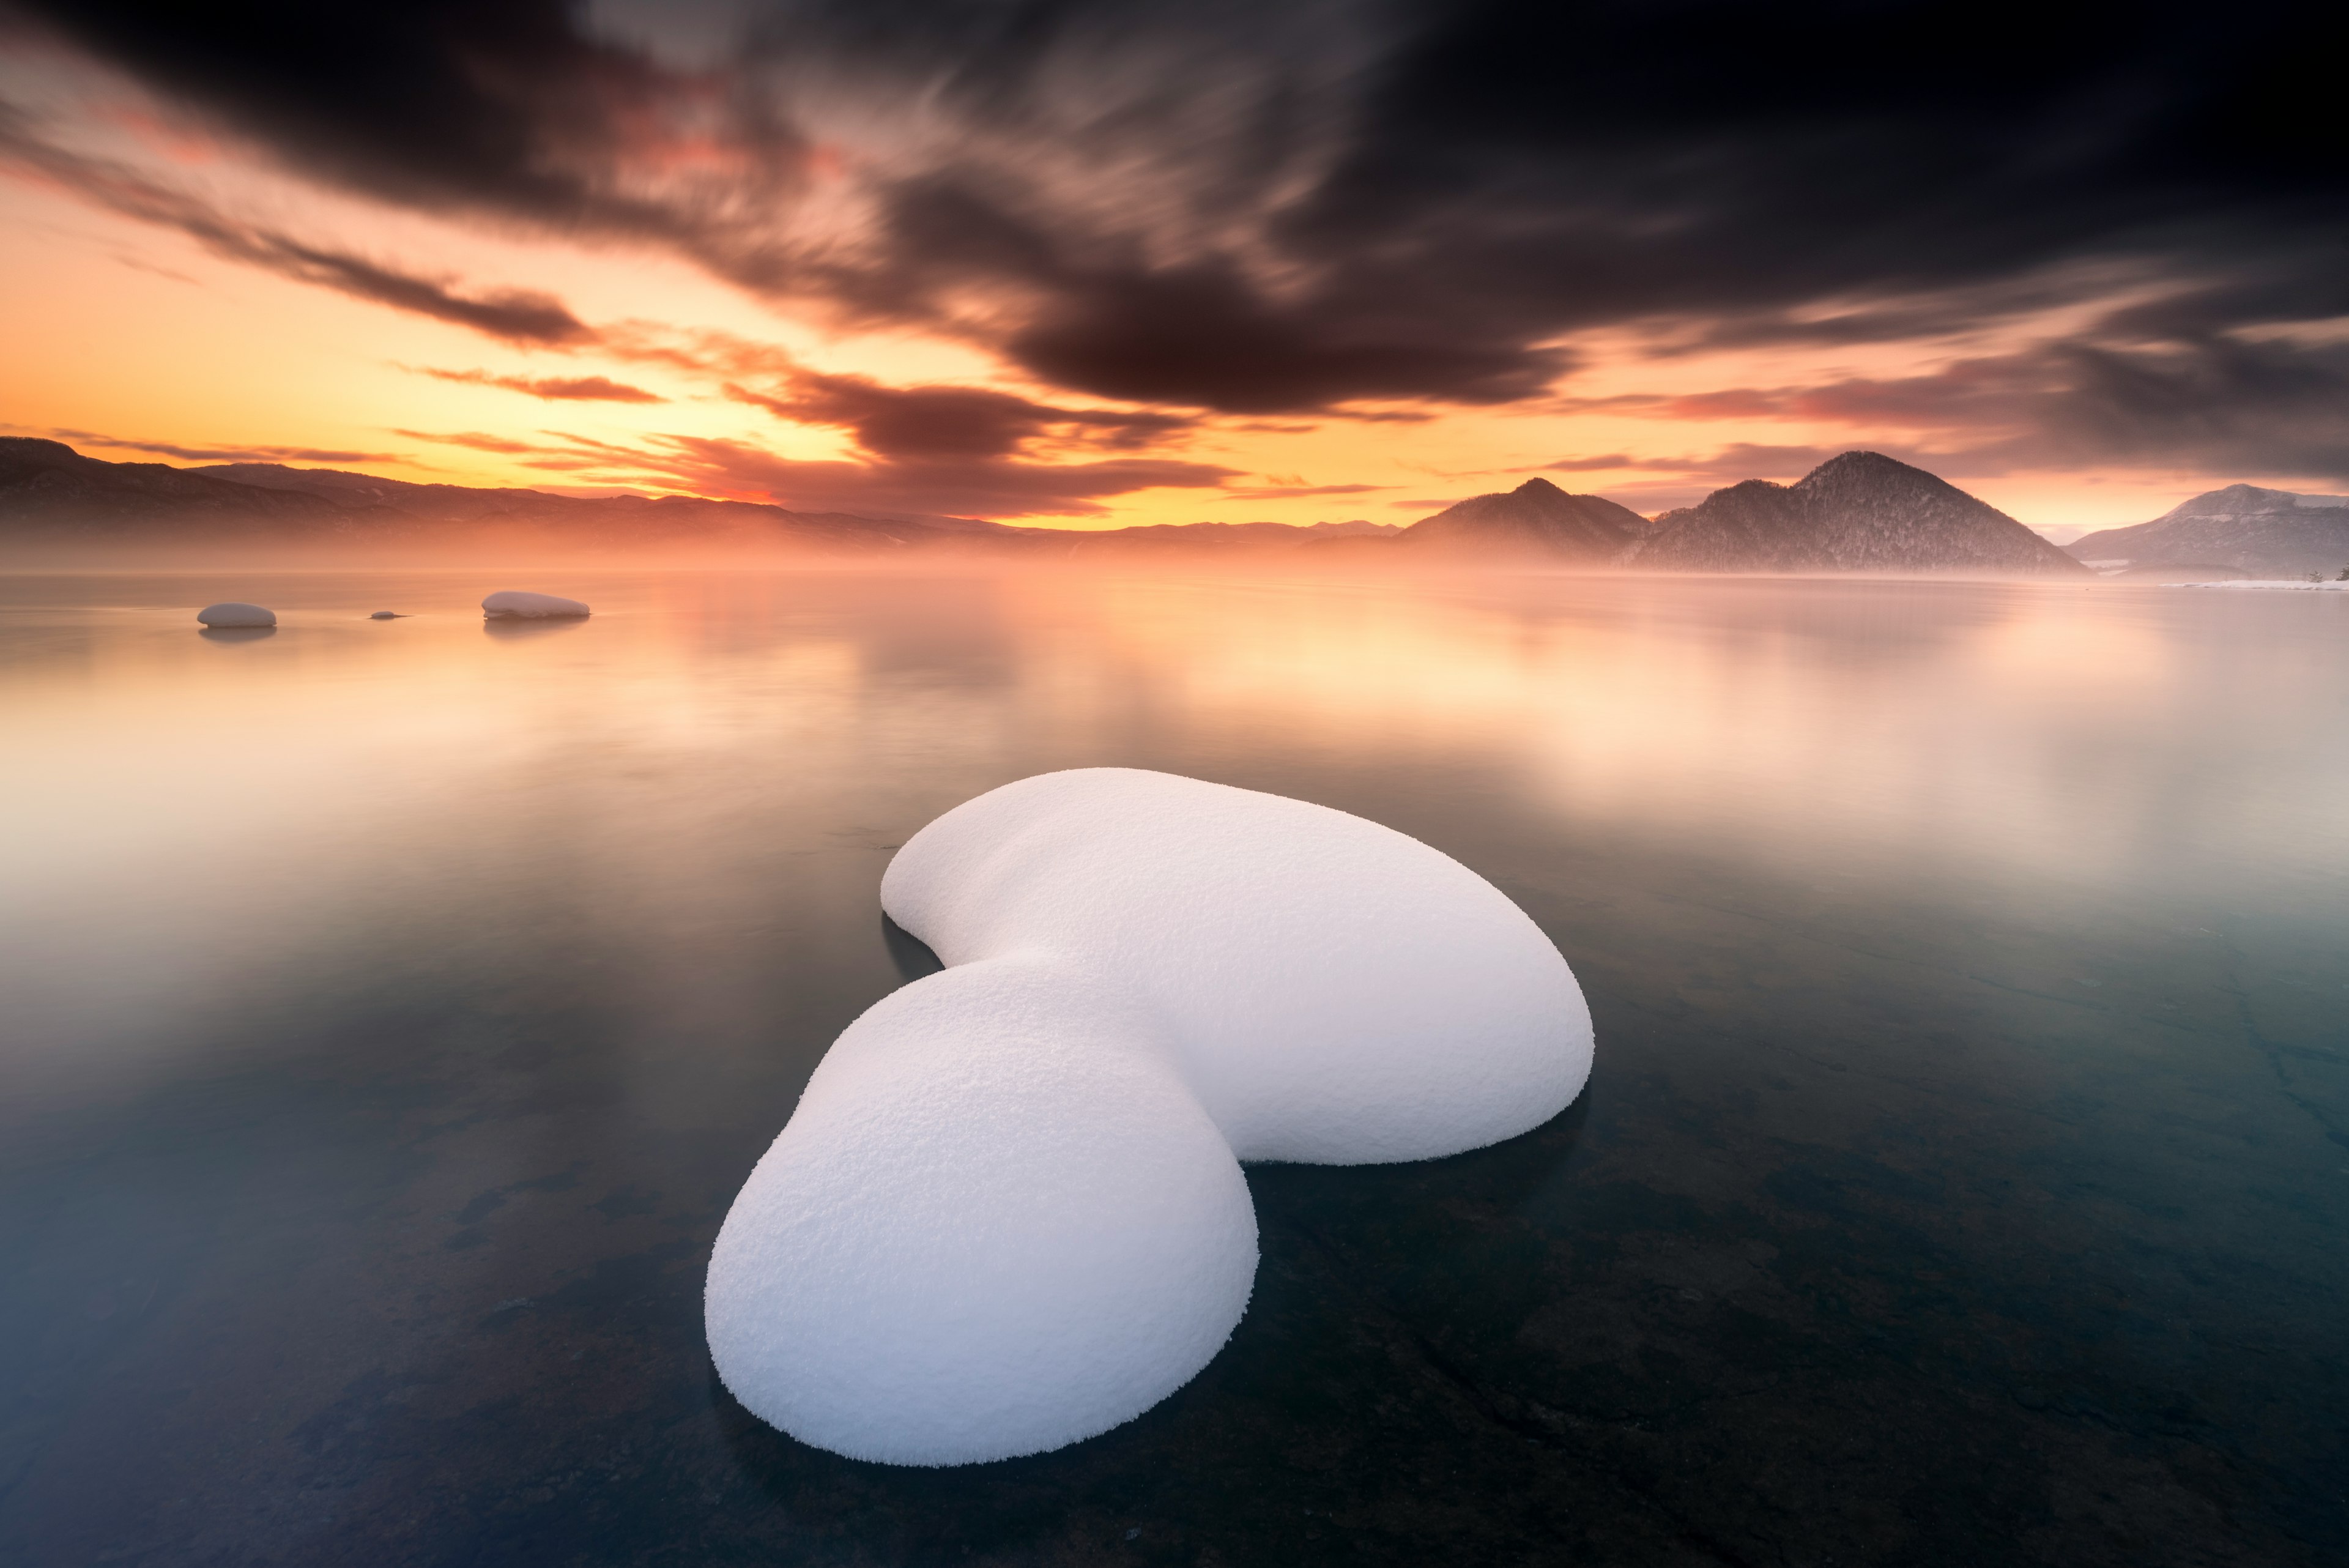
(718, 312)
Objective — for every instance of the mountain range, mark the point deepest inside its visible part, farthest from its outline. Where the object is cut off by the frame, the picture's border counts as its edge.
(2250, 531)
(1859, 512)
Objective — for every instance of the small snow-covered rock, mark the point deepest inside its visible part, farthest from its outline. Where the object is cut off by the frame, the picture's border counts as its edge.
(236, 613)
(1007, 1213)
(384, 614)
(517, 605)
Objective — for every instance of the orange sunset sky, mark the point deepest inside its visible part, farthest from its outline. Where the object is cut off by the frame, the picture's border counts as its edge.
(701, 269)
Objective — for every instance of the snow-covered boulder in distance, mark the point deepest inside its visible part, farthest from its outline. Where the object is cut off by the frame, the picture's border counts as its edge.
(517, 605)
(1008, 1214)
(232, 613)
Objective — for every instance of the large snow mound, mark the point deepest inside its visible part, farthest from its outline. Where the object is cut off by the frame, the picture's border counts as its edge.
(236, 613)
(521, 605)
(1007, 1213)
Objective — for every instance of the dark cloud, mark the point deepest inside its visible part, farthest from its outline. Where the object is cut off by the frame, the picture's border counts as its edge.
(978, 486)
(501, 107)
(1259, 209)
(552, 389)
(513, 315)
(930, 422)
(2277, 409)
(1203, 337)
(225, 453)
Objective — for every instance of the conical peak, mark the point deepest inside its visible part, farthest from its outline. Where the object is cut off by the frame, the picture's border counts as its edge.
(1538, 486)
(1848, 461)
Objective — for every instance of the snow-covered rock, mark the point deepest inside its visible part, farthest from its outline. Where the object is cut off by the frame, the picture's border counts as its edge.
(517, 605)
(1007, 1213)
(384, 614)
(235, 613)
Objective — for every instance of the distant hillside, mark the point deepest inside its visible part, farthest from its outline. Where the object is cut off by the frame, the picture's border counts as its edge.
(2261, 533)
(54, 498)
(398, 507)
(51, 494)
(1535, 522)
(1861, 512)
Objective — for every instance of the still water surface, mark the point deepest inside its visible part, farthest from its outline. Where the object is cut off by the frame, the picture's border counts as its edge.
(391, 1010)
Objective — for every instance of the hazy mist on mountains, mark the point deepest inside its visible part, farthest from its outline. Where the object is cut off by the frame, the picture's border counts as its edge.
(1861, 512)
(2250, 531)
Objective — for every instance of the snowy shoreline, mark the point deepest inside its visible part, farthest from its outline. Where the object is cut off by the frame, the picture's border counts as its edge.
(2302, 585)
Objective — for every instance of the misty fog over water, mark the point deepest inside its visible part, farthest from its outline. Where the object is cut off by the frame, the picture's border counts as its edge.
(393, 1007)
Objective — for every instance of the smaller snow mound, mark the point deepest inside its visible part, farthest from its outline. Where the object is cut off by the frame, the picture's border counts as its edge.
(236, 613)
(997, 1223)
(514, 605)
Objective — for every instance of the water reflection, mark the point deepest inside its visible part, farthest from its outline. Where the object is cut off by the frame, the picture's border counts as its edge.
(912, 955)
(390, 1022)
(522, 629)
(236, 633)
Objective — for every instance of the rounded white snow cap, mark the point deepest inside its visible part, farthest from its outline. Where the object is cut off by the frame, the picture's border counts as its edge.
(518, 605)
(1336, 992)
(235, 613)
(1007, 1213)
(997, 1223)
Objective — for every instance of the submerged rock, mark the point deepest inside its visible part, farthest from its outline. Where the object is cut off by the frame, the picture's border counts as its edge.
(517, 605)
(236, 613)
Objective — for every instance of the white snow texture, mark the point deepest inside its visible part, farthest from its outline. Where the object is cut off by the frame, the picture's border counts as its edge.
(1007, 1213)
(515, 604)
(235, 613)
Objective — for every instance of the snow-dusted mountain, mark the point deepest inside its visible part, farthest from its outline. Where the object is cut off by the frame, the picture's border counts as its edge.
(2266, 533)
(1861, 512)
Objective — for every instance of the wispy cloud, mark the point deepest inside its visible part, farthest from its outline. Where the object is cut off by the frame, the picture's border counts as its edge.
(474, 441)
(2214, 403)
(218, 453)
(550, 388)
(510, 315)
(916, 422)
(972, 486)
(1290, 492)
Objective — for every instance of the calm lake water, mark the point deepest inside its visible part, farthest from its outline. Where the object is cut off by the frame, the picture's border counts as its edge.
(392, 1009)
